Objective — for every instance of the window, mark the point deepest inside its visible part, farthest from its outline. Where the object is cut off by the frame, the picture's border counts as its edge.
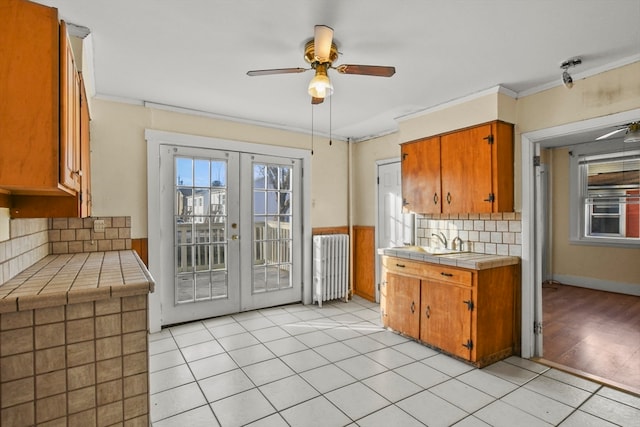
(605, 194)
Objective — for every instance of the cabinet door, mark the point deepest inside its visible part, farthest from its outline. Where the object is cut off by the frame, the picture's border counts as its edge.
(85, 154)
(402, 304)
(70, 171)
(421, 176)
(446, 317)
(29, 121)
(466, 170)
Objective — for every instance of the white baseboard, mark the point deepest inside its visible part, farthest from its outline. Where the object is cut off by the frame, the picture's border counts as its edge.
(598, 284)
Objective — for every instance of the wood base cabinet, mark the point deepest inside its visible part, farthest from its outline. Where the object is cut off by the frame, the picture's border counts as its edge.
(400, 304)
(469, 314)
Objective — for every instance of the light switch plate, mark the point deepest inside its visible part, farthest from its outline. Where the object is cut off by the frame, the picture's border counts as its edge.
(98, 225)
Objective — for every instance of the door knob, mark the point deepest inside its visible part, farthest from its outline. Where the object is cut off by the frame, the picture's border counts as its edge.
(234, 237)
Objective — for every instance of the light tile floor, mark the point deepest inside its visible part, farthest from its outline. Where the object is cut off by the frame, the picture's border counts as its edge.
(336, 366)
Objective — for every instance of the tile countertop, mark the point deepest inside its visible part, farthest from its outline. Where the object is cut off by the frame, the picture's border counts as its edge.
(58, 280)
(470, 260)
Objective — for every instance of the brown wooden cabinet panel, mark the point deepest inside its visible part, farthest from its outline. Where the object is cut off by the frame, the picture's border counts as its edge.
(29, 113)
(446, 317)
(85, 153)
(364, 262)
(70, 171)
(400, 304)
(421, 175)
(466, 171)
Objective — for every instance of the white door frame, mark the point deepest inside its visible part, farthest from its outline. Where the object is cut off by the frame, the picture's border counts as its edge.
(154, 139)
(531, 239)
(377, 217)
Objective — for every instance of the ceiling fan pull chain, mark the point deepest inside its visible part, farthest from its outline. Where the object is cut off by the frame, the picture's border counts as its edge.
(312, 129)
(330, 117)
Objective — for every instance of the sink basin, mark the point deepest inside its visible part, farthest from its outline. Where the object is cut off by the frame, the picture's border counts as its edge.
(429, 250)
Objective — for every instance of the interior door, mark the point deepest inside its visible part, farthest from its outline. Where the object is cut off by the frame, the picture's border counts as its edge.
(395, 228)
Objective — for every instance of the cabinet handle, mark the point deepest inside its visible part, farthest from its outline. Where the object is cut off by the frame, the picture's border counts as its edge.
(428, 311)
(435, 198)
(413, 307)
(400, 265)
(78, 172)
(449, 198)
(446, 274)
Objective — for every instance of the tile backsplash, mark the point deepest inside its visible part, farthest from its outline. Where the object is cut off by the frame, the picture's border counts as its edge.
(496, 233)
(75, 235)
(28, 244)
(33, 239)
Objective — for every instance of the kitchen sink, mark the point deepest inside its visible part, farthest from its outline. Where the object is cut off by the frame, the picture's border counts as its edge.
(429, 250)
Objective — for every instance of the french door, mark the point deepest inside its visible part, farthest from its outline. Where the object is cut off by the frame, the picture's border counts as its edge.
(231, 232)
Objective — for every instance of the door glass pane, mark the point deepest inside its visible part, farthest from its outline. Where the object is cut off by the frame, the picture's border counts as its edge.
(271, 227)
(200, 229)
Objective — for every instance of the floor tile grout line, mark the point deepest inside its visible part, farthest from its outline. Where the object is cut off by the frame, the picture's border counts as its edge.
(385, 345)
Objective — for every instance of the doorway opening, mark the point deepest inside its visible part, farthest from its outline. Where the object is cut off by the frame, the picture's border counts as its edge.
(570, 310)
(393, 226)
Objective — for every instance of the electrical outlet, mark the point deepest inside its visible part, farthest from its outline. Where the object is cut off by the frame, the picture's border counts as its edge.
(98, 225)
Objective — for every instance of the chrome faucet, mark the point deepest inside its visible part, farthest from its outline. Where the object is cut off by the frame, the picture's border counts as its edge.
(442, 238)
(460, 243)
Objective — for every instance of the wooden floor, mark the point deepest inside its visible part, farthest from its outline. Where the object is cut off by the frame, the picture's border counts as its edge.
(593, 332)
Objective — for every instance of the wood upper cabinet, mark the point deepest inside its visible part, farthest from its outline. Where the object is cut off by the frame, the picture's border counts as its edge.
(471, 314)
(29, 110)
(421, 175)
(43, 157)
(467, 171)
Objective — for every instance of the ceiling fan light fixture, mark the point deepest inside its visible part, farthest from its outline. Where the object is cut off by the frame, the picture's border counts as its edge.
(633, 135)
(320, 86)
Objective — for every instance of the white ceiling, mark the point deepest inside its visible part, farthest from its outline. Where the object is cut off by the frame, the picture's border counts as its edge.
(194, 54)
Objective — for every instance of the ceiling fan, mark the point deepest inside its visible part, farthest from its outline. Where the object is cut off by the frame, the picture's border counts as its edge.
(321, 52)
(632, 131)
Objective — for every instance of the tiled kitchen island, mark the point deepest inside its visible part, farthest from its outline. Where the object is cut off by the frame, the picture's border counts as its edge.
(73, 342)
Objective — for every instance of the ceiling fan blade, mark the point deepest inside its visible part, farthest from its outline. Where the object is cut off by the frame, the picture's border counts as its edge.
(607, 135)
(276, 71)
(367, 70)
(323, 37)
(315, 101)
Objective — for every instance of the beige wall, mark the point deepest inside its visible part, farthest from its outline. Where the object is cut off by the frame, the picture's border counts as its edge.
(600, 95)
(606, 93)
(481, 109)
(580, 261)
(118, 156)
